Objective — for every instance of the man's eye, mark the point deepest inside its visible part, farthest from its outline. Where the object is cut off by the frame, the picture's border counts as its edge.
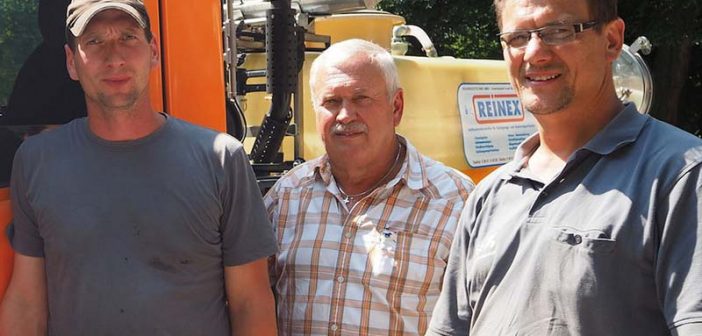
(128, 37)
(361, 99)
(557, 32)
(93, 41)
(517, 39)
(330, 102)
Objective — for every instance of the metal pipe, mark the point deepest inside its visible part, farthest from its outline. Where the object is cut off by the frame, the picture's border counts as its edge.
(401, 31)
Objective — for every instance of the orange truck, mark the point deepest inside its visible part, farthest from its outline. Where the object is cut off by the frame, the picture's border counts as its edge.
(242, 67)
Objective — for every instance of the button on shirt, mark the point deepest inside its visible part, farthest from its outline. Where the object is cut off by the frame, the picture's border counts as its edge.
(373, 269)
(610, 246)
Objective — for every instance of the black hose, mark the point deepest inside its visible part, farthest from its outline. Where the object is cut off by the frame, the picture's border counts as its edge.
(281, 81)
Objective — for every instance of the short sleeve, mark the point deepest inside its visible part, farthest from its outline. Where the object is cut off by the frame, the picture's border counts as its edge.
(246, 232)
(23, 231)
(270, 200)
(452, 313)
(679, 259)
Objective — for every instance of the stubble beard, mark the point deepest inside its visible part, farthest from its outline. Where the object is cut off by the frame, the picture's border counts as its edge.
(539, 106)
(118, 102)
(543, 103)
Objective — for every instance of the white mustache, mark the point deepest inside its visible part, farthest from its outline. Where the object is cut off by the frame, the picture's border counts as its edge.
(353, 127)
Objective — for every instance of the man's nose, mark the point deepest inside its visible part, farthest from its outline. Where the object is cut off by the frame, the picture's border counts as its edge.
(347, 113)
(536, 50)
(114, 55)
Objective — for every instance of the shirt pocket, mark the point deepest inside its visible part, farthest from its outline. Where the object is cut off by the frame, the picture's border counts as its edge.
(587, 241)
(411, 263)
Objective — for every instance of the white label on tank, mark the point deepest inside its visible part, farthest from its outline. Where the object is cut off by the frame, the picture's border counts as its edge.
(494, 123)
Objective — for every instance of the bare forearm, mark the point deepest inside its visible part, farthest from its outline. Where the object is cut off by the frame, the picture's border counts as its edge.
(17, 318)
(254, 318)
(24, 311)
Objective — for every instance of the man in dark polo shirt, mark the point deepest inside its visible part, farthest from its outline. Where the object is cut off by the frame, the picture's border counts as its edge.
(130, 221)
(594, 227)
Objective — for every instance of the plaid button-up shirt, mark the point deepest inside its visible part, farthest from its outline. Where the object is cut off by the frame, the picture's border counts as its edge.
(373, 269)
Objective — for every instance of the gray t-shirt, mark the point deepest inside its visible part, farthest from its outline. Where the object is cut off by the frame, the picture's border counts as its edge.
(610, 246)
(135, 234)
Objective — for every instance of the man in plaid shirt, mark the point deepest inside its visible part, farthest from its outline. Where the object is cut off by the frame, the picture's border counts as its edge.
(365, 230)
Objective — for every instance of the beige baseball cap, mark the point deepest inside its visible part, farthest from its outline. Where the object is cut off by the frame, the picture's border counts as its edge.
(80, 12)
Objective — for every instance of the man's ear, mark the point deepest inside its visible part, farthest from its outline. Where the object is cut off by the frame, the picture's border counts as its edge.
(398, 105)
(155, 53)
(614, 33)
(70, 65)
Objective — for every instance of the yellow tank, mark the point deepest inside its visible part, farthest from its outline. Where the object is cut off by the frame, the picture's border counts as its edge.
(371, 26)
(442, 100)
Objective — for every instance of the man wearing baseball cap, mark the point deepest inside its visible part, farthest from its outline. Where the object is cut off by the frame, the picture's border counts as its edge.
(130, 221)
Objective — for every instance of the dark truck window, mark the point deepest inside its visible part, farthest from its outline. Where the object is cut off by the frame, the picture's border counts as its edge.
(35, 89)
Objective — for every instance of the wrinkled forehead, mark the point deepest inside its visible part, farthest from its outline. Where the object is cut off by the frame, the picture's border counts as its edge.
(335, 80)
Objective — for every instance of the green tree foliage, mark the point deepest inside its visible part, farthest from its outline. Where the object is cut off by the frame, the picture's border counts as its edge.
(467, 29)
(675, 29)
(459, 28)
(19, 35)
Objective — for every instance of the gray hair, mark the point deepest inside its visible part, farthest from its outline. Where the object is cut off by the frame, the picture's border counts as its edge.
(349, 48)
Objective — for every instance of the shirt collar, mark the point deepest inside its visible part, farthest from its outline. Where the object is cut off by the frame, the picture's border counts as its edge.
(413, 172)
(521, 156)
(623, 129)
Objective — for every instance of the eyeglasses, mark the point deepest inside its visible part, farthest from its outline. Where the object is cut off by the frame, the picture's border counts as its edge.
(550, 35)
